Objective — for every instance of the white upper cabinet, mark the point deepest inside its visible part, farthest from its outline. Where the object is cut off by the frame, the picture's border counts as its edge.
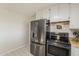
(39, 15)
(64, 11)
(53, 13)
(32, 18)
(45, 14)
(74, 22)
(60, 12)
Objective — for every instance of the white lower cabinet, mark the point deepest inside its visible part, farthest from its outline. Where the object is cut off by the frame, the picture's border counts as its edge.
(74, 51)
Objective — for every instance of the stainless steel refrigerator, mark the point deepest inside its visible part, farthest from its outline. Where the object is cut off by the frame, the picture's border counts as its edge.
(39, 30)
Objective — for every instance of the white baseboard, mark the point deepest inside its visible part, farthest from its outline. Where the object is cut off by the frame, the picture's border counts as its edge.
(13, 49)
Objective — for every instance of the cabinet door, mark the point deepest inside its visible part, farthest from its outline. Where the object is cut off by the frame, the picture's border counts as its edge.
(74, 22)
(63, 11)
(60, 12)
(33, 17)
(45, 14)
(74, 51)
(39, 14)
(54, 13)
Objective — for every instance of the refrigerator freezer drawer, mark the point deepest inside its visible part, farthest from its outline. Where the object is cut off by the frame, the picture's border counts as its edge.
(37, 49)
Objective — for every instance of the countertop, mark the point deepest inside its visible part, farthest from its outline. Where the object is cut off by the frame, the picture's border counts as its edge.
(74, 43)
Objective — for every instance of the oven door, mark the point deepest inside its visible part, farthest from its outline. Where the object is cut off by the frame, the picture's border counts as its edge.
(57, 51)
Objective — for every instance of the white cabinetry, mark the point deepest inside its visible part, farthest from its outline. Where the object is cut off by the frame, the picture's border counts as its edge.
(54, 13)
(74, 51)
(60, 12)
(39, 14)
(44, 14)
(64, 11)
(74, 22)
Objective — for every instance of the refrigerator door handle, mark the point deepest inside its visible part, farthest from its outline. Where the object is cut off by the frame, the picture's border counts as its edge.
(33, 35)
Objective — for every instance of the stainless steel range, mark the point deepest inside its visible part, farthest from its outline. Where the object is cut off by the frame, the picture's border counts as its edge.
(39, 29)
(59, 46)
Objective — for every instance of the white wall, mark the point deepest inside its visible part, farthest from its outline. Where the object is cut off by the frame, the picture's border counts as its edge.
(14, 30)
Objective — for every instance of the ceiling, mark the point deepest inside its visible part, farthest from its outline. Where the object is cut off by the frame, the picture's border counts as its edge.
(26, 9)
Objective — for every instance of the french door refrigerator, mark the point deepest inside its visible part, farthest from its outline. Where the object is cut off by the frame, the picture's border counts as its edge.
(39, 30)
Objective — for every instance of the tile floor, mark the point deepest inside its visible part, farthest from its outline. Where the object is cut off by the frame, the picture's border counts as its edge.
(20, 52)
